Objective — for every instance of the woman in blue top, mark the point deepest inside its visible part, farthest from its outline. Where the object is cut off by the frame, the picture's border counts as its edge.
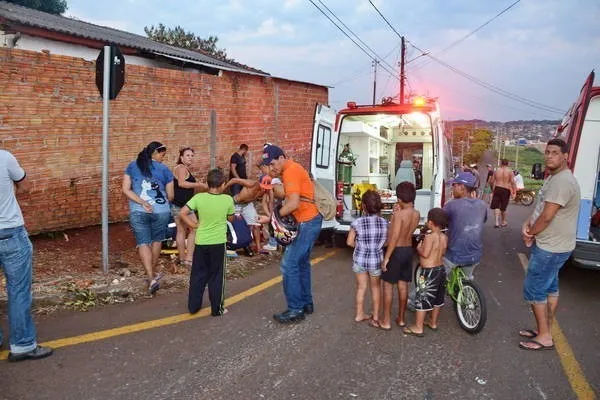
(148, 184)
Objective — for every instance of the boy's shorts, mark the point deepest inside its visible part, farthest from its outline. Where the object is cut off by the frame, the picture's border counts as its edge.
(248, 212)
(149, 227)
(399, 268)
(431, 288)
(371, 271)
(541, 280)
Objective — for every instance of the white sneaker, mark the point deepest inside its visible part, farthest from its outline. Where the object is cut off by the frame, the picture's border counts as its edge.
(269, 247)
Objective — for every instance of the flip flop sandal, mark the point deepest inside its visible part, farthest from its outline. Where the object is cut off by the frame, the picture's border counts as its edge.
(540, 346)
(410, 332)
(153, 287)
(428, 325)
(399, 324)
(528, 333)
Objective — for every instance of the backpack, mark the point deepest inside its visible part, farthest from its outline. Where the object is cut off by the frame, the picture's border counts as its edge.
(325, 202)
(239, 235)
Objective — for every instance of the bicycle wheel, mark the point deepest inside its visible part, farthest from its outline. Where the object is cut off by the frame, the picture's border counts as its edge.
(526, 199)
(470, 307)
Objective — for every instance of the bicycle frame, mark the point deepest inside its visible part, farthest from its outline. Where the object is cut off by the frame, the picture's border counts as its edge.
(454, 282)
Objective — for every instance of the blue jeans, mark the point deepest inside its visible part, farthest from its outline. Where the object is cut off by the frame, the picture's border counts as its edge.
(295, 265)
(541, 280)
(149, 227)
(16, 254)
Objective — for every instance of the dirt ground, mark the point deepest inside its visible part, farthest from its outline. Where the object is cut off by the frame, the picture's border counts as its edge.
(68, 269)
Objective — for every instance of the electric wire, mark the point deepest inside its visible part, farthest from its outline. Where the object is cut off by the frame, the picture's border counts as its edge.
(353, 41)
(475, 80)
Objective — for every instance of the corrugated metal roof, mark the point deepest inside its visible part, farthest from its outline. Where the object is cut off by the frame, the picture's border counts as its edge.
(57, 23)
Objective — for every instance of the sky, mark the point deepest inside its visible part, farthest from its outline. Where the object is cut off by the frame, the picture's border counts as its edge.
(539, 50)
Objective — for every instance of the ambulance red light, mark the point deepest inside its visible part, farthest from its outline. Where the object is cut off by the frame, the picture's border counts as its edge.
(419, 101)
(351, 104)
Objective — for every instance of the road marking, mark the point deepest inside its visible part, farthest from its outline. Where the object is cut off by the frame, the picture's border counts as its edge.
(157, 323)
(579, 384)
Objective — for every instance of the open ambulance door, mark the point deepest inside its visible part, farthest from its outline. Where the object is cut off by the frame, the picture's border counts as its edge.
(323, 151)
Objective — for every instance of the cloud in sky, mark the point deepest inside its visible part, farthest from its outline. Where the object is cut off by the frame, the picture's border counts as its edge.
(540, 49)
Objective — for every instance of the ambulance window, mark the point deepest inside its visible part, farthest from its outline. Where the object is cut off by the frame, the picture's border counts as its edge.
(323, 147)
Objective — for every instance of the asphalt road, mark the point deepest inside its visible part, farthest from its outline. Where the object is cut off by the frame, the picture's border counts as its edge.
(245, 355)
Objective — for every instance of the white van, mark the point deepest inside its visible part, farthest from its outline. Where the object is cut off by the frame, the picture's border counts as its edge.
(580, 128)
(380, 137)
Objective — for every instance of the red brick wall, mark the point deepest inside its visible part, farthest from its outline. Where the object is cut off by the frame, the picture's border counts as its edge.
(51, 120)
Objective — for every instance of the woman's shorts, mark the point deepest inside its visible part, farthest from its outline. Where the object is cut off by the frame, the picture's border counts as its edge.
(431, 288)
(541, 280)
(500, 198)
(149, 227)
(371, 271)
(399, 268)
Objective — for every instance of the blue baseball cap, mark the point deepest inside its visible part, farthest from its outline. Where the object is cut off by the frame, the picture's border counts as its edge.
(465, 178)
(270, 153)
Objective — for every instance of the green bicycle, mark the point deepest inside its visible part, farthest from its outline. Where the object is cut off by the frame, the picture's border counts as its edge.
(469, 302)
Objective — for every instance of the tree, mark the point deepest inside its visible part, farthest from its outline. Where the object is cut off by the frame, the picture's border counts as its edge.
(471, 142)
(187, 40)
(50, 6)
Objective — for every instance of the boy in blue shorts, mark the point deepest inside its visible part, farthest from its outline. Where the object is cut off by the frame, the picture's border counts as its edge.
(431, 280)
(214, 209)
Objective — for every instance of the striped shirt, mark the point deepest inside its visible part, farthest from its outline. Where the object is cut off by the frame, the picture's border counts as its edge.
(371, 233)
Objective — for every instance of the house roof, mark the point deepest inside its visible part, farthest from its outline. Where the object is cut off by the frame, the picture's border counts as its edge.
(15, 17)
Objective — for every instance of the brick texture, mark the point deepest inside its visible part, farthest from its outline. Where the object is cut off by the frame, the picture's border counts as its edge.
(51, 120)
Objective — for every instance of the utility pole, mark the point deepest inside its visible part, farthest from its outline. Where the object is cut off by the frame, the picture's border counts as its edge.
(375, 62)
(517, 156)
(462, 153)
(402, 54)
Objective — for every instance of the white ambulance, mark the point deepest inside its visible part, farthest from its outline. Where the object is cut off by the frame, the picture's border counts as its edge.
(580, 128)
(375, 146)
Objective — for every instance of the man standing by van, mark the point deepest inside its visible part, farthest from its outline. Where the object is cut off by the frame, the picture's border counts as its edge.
(295, 264)
(503, 184)
(551, 230)
(16, 254)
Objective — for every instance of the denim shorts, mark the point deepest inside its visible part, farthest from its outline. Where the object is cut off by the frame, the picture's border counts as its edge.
(149, 227)
(541, 280)
(360, 270)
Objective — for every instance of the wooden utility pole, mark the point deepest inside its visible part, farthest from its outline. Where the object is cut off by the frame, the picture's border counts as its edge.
(375, 62)
(402, 77)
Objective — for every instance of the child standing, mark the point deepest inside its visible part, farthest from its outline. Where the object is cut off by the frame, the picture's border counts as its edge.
(398, 259)
(368, 235)
(431, 279)
(214, 209)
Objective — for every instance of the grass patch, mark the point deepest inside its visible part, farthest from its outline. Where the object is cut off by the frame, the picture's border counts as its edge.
(527, 157)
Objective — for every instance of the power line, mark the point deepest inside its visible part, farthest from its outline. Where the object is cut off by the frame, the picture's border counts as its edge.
(467, 35)
(348, 36)
(486, 85)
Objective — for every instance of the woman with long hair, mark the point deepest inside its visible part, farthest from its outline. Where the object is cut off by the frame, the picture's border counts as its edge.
(185, 187)
(148, 184)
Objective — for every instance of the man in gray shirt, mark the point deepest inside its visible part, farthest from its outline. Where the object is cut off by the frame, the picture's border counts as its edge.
(16, 262)
(551, 232)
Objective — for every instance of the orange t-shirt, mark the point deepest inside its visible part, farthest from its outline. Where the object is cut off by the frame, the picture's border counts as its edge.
(296, 180)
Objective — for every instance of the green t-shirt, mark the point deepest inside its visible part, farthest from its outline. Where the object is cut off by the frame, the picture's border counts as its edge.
(212, 210)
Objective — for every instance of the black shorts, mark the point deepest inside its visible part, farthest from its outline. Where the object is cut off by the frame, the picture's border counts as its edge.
(500, 198)
(399, 268)
(431, 288)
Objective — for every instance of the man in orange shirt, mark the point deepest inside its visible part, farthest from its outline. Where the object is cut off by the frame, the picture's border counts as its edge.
(295, 264)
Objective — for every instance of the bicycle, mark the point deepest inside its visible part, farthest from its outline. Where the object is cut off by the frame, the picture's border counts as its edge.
(468, 299)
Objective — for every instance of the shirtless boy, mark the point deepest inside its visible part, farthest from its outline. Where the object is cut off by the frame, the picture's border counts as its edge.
(431, 279)
(503, 184)
(398, 258)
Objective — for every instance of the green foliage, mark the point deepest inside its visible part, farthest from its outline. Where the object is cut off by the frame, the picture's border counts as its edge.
(80, 299)
(470, 142)
(188, 40)
(50, 6)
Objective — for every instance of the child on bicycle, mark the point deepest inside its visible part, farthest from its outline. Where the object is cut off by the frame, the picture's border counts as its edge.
(431, 279)
(368, 235)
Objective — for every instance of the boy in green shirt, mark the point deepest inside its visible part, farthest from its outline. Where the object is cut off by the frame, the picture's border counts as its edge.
(214, 209)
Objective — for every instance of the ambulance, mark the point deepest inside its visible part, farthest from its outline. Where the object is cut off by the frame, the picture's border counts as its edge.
(364, 147)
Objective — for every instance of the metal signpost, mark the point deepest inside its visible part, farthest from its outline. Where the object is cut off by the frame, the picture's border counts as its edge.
(110, 76)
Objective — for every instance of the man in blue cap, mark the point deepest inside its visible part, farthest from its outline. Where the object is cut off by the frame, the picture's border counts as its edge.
(466, 214)
(295, 264)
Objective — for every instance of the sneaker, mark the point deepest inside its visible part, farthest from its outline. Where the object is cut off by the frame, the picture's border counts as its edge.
(37, 353)
(269, 247)
(232, 254)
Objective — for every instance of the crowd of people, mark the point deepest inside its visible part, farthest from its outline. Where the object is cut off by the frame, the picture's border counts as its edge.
(453, 237)
(383, 253)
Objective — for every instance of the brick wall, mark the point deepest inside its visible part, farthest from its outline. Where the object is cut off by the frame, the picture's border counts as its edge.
(51, 120)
